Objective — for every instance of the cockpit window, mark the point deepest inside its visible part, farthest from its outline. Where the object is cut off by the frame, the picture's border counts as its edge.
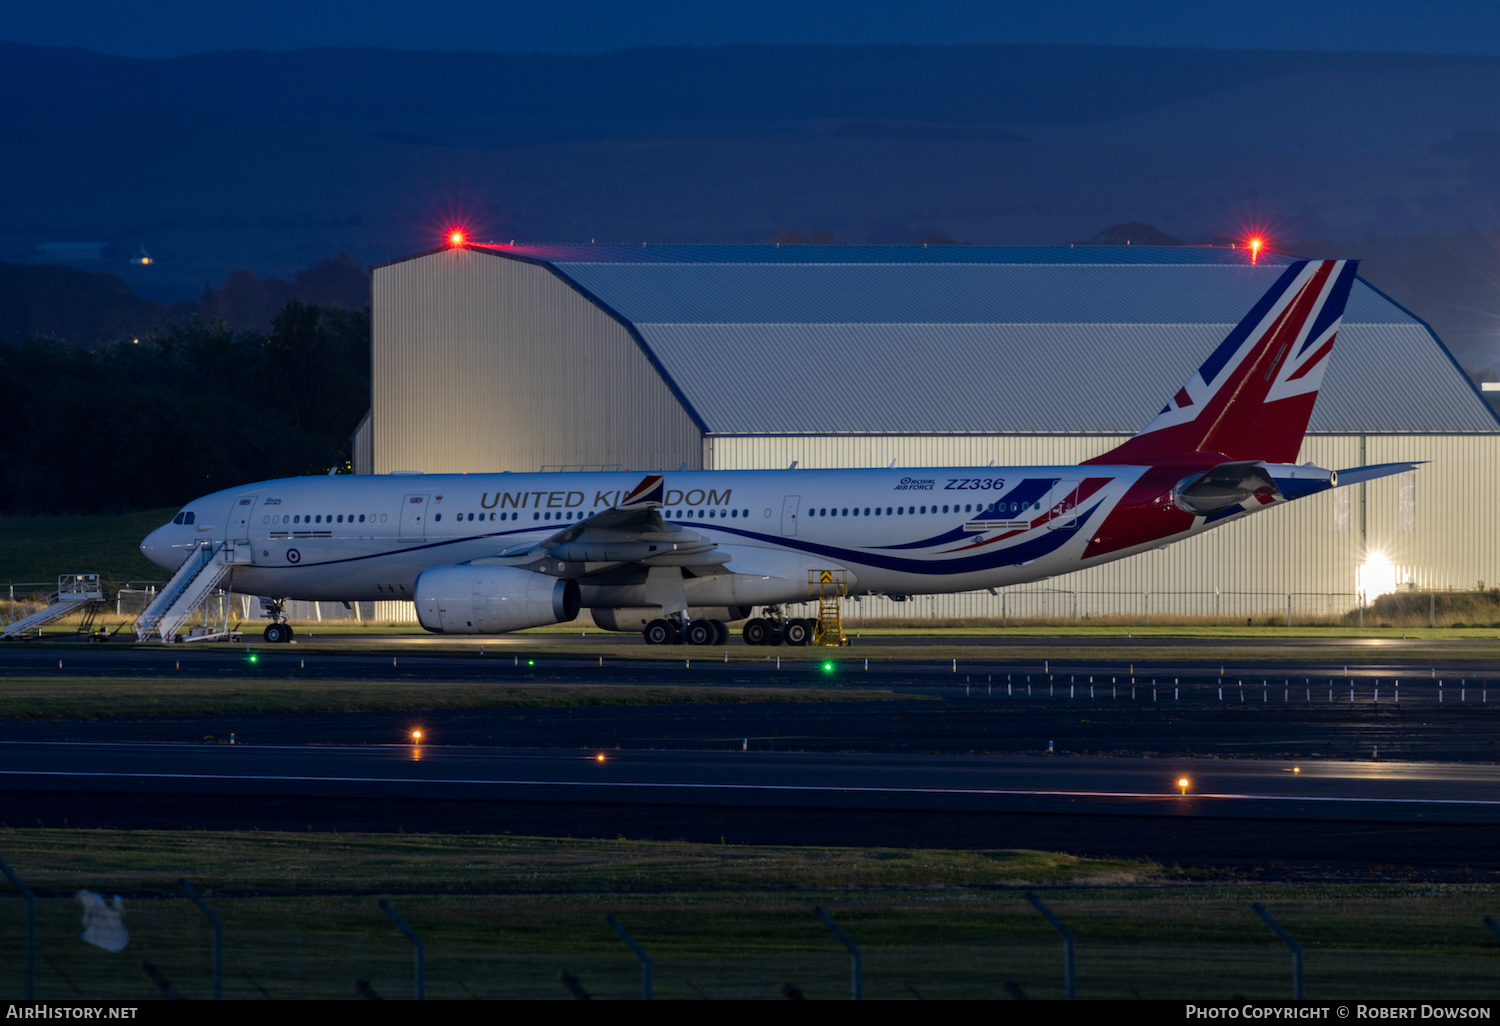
(185, 517)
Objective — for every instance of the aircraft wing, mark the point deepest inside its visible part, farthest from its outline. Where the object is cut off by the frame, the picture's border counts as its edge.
(613, 537)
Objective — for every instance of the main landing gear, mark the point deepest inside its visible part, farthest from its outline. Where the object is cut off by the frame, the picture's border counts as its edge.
(777, 629)
(696, 632)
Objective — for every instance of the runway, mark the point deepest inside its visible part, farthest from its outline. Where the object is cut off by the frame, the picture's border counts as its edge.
(1332, 820)
(1374, 792)
(1337, 776)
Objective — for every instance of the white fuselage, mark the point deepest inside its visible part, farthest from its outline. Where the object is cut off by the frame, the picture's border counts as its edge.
(896, 532)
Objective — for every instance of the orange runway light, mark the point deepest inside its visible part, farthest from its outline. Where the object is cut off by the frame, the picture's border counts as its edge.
(1183, 783)
(416, 737)
(599, 757)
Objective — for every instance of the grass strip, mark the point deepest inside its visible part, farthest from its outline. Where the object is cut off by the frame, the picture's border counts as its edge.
(1352, 652)
(143, 860)
(89, 698)
(37, 549)
(503, 916)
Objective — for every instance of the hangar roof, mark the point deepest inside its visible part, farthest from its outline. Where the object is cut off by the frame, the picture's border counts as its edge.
(977, 339)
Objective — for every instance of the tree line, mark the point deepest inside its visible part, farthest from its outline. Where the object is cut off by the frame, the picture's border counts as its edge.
(192, 407)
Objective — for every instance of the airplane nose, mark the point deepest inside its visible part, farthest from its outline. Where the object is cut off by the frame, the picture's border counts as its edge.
(157, 547)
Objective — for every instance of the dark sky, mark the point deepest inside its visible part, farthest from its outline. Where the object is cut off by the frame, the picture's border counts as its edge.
(159, 28)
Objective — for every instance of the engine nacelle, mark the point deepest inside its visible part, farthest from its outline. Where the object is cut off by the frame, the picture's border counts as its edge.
(491, 599)
(1232, 484)
(635, 618)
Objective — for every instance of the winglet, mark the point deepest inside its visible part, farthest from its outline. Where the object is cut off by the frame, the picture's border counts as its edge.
(649, 492)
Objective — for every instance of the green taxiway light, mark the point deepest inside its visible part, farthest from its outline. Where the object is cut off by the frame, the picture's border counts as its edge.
(254, 658)
(531, 662)
(827, 667)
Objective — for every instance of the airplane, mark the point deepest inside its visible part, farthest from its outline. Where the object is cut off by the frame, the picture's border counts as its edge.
(676, 554)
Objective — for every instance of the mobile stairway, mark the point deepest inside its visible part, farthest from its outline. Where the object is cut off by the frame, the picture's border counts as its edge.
(827, 588)
(74, 592)
(203, 571)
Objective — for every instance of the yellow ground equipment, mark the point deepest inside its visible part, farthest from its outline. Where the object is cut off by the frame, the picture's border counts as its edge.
(828, 587)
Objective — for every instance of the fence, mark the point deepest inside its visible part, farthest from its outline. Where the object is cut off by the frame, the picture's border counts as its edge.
(1006, 607)
(1067, 606)
(131, 599)
(950, 942)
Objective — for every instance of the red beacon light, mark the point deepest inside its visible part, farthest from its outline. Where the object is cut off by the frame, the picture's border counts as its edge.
(1255, 244)
(457, 238)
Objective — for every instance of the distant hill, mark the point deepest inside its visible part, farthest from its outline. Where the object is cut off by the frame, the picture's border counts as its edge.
(249, 301)
(77, 306)
(89, 308)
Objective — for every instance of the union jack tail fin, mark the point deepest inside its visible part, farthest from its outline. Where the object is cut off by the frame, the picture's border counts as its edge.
(1252, 397)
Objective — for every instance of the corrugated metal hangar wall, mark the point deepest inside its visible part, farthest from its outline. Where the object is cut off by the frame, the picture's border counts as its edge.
(522, 358)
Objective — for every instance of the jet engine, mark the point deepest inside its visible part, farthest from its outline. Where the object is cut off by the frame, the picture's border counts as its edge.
(1232, 484)
(468, 599)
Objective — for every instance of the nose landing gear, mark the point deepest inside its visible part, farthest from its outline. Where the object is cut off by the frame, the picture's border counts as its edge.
(278, 632)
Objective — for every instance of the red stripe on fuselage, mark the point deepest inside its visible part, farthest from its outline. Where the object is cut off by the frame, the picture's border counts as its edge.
(1146, 513)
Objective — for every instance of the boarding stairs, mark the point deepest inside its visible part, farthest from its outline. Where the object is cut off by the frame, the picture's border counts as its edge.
(74, 592)
(828, 588)
(204, 569)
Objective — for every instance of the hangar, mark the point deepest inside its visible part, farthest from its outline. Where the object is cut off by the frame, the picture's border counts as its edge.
(492, 358)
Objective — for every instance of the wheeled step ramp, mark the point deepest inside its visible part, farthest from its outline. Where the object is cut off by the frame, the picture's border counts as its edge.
(74, 592)
(198, 576)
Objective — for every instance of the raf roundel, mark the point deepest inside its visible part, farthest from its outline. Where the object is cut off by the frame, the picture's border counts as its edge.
(293, 556)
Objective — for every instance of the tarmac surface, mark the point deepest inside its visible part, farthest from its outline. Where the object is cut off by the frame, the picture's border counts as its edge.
(1333, 776)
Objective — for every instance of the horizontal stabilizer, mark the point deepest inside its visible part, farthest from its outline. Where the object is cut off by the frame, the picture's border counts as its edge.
(1358, 474)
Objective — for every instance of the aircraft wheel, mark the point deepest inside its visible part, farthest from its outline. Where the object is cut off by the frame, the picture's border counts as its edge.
(660, 632)
(701, 632)
(797, 632)
(756, 632)
(277, 633)
(721, 632)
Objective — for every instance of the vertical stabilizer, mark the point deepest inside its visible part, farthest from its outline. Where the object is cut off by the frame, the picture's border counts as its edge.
(1252, 398)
